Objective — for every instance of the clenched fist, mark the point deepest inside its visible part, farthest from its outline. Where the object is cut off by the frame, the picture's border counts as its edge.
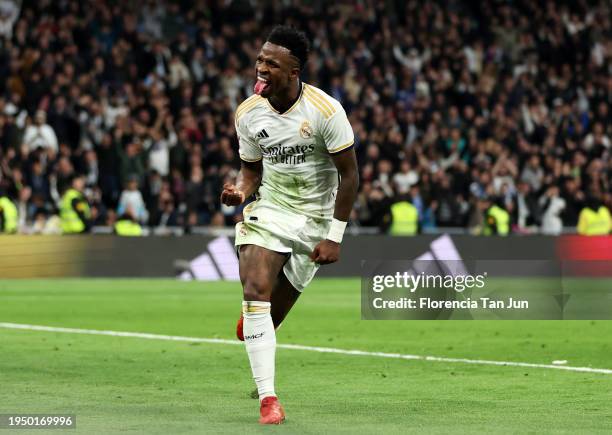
(231, 195)
(326, 252)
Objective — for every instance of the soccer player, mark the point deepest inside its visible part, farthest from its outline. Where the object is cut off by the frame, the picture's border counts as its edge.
(296, 151)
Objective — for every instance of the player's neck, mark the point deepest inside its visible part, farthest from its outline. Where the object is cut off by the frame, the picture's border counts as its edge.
(282, 103)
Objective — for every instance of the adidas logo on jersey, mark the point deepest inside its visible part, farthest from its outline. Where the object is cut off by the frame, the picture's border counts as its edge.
(262, 134)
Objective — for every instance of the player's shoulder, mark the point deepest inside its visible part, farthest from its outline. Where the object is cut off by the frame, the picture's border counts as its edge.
(248, 105)
(326, 105)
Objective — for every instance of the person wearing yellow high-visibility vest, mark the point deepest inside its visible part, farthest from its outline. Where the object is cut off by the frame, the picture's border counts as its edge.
(404, 218)
(594, 219)
(75, 213)
(8, 215)
(127, 226)
(497, 220)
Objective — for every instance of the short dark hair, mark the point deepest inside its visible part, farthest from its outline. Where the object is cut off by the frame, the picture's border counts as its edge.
(75, 176)
(293, 40)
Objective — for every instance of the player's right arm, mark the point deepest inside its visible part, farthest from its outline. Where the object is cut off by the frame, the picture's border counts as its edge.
(247, 183)
(251, 167)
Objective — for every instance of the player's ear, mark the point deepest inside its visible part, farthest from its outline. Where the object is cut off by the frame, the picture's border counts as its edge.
(295, 73)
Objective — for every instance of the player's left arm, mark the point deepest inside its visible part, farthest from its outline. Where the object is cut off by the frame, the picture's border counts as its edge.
(338, 136)
(328, 251)
(346, 163)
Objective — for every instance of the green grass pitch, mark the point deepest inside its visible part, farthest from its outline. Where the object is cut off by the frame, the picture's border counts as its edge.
(132, 385)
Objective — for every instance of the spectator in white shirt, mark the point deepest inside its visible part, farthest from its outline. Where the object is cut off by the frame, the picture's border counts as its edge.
(406, 178)
(131, 198)
(597, 137)
(159, 148)
(552, 205)
(9, 12)
(40, 134)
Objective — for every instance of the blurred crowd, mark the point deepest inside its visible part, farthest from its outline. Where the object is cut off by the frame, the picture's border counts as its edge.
(455, 105)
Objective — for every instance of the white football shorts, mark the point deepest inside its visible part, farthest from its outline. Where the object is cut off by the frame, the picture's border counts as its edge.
(277, 229)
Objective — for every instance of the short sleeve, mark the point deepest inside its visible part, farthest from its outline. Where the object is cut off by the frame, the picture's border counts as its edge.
(248, 150)
(337, 132)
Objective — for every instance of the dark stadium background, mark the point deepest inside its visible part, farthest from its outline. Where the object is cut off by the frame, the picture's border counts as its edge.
(453, 104)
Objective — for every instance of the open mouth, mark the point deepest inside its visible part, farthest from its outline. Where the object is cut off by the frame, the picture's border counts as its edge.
(261, 85)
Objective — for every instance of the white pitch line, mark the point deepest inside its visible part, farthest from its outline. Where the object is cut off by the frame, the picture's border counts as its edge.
(148, 336)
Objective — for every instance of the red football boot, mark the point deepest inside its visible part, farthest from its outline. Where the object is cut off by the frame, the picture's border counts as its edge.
(239, 330)
(271, 411)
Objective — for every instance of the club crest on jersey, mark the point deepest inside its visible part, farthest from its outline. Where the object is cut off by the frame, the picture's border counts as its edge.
(242, 230)
(306, 130)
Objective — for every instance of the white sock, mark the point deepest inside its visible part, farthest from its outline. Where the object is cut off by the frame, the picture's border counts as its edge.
(260, 342)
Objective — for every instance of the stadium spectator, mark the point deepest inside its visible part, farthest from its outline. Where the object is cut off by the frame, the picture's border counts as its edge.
(9, 12)
(75, 212)
(594, 219)
(127, 225)
(552, 206)
(40, 134)
(9, 215)
(526, 209)
(404, 218)
(497, 219)
(131, 203)
(25, 209)
(405, 178)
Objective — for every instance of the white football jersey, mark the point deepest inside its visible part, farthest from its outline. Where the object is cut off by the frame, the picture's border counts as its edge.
(296, 147)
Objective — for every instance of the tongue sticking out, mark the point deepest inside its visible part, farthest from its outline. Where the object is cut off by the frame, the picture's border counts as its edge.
(260, 86)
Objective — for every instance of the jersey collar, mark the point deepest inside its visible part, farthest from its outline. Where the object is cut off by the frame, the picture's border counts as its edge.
(294, 105)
